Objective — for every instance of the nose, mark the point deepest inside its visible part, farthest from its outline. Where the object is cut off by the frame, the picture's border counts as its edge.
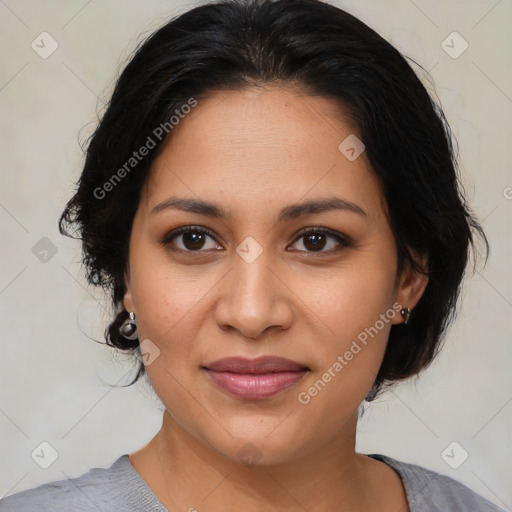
(253, 299)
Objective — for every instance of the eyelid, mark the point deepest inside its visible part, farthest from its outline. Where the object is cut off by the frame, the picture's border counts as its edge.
(342, 239)
(186, 229)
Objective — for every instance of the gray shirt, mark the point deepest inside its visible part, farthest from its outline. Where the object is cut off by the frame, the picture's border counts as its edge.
(121, 489)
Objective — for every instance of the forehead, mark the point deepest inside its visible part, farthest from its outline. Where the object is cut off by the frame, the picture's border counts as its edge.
(276, 144)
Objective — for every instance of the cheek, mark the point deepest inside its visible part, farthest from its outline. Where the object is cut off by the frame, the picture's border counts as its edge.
(167, 306)
(167, 299)
(169, 310)
(355, 313)
(351, 299)
(349, 356)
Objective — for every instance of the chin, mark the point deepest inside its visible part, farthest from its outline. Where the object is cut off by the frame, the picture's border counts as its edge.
(259, 449)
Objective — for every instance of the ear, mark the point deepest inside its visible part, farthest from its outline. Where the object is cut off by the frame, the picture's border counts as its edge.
(128, 298)
(411, 285)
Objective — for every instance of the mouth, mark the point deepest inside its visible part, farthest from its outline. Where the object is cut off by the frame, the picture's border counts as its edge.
(255, 379)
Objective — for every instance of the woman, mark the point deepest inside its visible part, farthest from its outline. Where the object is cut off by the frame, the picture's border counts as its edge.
(272, 199)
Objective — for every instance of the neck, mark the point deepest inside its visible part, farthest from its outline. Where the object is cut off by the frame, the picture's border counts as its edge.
(188, 473)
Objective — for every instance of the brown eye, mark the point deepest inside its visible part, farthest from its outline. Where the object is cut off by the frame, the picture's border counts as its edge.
(192, 239)
(315, 240)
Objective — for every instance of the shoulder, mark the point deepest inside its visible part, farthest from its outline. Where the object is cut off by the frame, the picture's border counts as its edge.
(118, 487)
(428, 491)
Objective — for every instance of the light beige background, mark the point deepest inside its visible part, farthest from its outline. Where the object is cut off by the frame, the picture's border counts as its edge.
(54, 380)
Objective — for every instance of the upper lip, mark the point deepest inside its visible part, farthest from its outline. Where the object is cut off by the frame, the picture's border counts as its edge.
(264, 364)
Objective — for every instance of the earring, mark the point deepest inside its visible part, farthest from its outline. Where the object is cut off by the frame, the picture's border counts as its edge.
(128, 328)
(406, 313)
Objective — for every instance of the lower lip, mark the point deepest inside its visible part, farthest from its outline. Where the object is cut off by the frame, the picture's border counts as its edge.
(255, 386)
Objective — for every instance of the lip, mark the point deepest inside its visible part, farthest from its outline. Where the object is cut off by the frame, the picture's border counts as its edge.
(255, 379)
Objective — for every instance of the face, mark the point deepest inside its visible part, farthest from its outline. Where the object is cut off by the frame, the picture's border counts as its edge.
(263, 276)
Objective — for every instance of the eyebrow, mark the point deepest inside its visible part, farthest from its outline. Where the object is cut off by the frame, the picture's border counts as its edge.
(289, 212)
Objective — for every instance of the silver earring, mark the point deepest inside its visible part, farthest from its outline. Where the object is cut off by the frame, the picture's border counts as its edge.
(406, 313)
(128, 328)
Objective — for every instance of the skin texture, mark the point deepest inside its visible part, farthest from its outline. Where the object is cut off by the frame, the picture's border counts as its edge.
(252, 153)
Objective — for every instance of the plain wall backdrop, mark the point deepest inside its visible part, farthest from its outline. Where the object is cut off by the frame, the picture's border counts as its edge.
(55, 380)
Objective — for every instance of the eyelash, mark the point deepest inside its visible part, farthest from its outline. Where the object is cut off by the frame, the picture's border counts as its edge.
(343, 240)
